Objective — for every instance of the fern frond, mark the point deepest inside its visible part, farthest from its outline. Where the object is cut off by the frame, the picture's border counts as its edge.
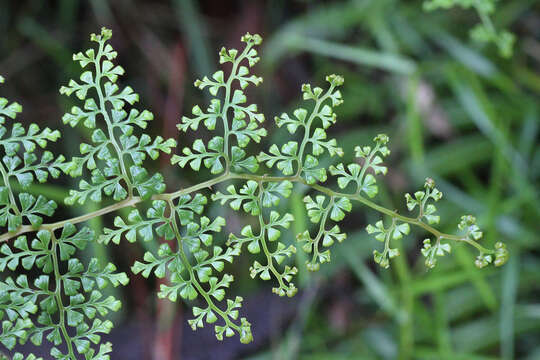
(39, 310)
(425, 211)
(49, 293)
(21, 164)
(244, 125)
(193, 267)
(253, 198)
(293, 154)
(115, 155)
(394, 232)
(321, 211)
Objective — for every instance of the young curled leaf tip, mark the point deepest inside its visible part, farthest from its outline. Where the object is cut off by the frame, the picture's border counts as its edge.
(255, 39)
(245, 331)
(381, 139)
(501, 254)
(430, 183)
(482, 261)
(466, 221)
(336, 80)
(105, 35)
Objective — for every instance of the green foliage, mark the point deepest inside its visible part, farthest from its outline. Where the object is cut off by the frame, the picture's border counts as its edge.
(356, 174)
(484, 32)
(318, 212)
(265, 196)
(420, 198)
(193, 267)
(56, 304)
(19, 356)
(394, 232)
(115, 155)
(245, 124)
(430, 252)
(21, 163)
(64, 302)
(293, 157)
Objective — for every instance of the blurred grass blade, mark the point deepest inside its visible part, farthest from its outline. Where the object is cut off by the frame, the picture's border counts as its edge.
(414, 121)
(357, 55)
(508, 301)
(441, 321)
(375, 288)
(189, 20)
(475, 101)
(435, 281)
(432, 354)
(48, 43)
(467, 56)
(478, 278)
(480, 333)
(330, 19)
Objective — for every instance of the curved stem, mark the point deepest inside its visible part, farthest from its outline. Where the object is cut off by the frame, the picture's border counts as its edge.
(389, 233)
(110, 128)
(227, 104)
(262, 239)
(259, 178)
(307, 128)
(193, 279)
(366, 165)
(5, 177)
(321, 231)
(58, 296)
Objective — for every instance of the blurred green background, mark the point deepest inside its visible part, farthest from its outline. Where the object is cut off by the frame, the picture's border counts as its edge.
(454, 110)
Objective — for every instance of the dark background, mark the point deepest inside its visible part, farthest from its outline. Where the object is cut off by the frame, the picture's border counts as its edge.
(454, 110)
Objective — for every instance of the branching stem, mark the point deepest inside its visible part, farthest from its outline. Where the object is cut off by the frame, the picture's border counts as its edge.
(366, 166)
(307, 128)
(58, 296)
(193, 279)
(322, 227)
(262, 237)
(5, 177)
(227, 105)
(110, 127)
(259, 178)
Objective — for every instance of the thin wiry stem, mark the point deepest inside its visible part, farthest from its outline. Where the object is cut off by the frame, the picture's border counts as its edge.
(227, 104)
(58, 297)
(307, 128)
(227, 176)
(5, 177)
(322, 227)
(189, 268)
(264, 246)
(106, 117)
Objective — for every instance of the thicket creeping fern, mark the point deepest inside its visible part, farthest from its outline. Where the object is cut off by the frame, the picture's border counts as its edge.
(64, 304)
